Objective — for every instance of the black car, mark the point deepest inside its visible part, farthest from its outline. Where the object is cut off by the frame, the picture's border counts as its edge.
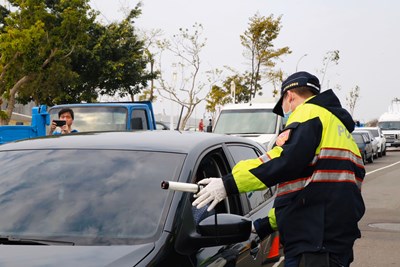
(364, 144)
(95, 199)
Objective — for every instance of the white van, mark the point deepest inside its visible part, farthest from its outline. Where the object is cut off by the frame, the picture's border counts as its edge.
(389, 123)
(251, 120)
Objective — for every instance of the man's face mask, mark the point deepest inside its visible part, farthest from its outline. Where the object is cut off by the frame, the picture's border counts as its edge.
(287, 114)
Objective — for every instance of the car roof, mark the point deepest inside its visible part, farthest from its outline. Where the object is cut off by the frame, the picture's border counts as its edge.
(247, 106)
(364, 132)
(100, 104)
(361, 132)
(158, 140)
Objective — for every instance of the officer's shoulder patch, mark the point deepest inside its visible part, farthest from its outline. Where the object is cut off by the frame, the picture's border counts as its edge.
(283, 137)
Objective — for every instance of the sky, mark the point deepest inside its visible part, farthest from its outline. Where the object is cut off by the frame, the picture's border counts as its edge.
(366, 33)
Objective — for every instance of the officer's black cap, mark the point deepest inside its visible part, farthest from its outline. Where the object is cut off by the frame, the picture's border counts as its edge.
(296, 80)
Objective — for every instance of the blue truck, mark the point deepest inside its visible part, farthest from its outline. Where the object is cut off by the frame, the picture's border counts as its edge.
(116, 116)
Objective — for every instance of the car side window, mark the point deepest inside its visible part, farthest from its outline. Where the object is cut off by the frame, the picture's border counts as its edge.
(241, 152)
(215, 164)
(139, 120)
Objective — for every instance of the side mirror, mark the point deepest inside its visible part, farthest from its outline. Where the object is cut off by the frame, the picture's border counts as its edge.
(215, 230)
(226, 227)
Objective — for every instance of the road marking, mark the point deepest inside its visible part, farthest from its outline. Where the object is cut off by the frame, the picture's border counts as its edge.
(279, 262)
(388, 166)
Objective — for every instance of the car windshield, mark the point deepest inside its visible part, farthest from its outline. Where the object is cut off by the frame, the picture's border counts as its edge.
(246, 122)
(374, 133)
(389, 125)
(93, 118)
(87, 196)
(358, 138)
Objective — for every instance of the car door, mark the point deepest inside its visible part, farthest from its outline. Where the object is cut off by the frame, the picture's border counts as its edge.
(219, 162)
(368, 147)
(215, 164)
(256, 205)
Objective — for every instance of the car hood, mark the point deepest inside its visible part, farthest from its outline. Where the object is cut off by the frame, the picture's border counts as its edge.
(390, 131)
(260, 138)
(60, 256)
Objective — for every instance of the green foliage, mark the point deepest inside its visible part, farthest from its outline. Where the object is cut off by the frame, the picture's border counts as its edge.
(263, 56)
(36, 44)
(259, 48)
(219, 96)
(3, 115)
(123, 59)
(54, 51)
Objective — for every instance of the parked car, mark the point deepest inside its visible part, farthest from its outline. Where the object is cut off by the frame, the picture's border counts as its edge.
(374, 142)
(95, 199)
(364, 144)
(379, 137)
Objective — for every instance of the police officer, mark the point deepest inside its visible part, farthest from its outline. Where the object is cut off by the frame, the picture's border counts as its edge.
(318, 169)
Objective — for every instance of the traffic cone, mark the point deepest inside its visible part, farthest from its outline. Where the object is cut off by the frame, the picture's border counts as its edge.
(273, 254)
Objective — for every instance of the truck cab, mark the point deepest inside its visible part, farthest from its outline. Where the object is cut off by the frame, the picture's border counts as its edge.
(251, 120)
(117, 116)
(89, 117)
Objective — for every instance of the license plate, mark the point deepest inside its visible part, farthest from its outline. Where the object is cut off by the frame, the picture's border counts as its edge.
(388, 144)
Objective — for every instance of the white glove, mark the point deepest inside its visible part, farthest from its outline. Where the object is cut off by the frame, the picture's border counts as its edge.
(214, 191)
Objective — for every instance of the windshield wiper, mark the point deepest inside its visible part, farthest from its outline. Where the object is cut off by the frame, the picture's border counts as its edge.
(9, 240)
(252, 133)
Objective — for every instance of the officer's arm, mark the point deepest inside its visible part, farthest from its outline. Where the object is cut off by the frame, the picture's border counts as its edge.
(267, 225)
(282, 163)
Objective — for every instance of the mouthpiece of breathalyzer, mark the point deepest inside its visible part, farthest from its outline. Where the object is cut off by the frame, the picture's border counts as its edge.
(184, 187)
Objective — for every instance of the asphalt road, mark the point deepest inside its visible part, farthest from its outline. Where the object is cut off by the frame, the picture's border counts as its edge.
(380, 226)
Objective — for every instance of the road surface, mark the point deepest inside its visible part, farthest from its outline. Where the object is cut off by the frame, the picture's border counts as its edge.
(380, 226)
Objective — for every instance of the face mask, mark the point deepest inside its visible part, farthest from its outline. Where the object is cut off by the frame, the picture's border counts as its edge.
(287, 114)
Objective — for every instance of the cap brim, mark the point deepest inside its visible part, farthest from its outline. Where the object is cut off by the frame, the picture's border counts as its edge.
(278, 107)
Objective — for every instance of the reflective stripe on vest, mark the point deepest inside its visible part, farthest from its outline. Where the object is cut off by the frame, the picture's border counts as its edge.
(292, 186)
(325, 176)
(340, 154)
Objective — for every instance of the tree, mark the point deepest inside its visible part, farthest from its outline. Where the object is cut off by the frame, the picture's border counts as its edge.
(352, 99)
(258, 42)
(53, 51)
(186, 47)
(221, 95)
(151, 40)
(124, 58)
(276, 78)
(37, 39)
(330, 57)
(217, 97)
